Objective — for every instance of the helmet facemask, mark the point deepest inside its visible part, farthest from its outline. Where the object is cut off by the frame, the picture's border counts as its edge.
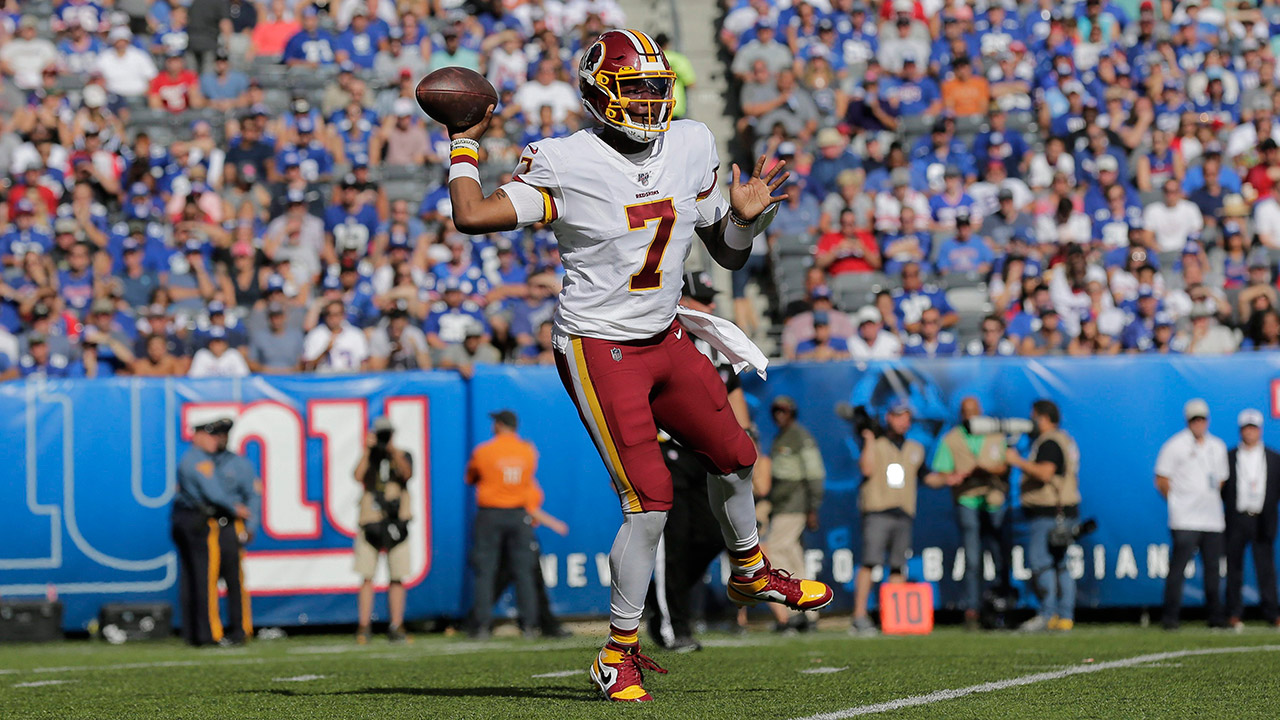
(639, 101)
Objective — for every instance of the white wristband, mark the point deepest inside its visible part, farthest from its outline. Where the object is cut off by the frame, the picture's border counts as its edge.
(739, 238)
(464, 170)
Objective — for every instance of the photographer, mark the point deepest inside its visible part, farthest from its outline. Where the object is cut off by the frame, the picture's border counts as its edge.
(1050, 492)
(385, 512)
(890, 465)
(973, 466)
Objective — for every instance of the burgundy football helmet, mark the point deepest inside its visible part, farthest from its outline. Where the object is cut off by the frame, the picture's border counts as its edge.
(627, 84)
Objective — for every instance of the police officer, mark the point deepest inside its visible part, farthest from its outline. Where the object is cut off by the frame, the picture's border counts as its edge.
(691, 538)
(241, 480)
(973, 466)
(890, 465)
(1050, 489)
(203, 499)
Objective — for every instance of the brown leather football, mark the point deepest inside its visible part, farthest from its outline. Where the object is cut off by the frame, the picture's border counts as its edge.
(455, 97)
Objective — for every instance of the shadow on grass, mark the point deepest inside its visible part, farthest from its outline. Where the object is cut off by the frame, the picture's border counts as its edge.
(545, 693)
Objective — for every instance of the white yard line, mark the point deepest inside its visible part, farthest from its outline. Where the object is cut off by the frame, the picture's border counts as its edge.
(42, 683)
(942, 695)
(560, 674)
(297, 655)
(299, 678)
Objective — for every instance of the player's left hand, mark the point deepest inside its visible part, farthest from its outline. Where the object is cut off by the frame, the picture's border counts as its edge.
(750, 198)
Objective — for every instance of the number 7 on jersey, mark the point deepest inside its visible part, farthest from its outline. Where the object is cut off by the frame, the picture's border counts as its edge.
(639, 216)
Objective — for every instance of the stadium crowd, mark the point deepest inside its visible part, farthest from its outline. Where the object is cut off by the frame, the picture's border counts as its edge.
(224, 187)
(1000, 178)
(220, 188)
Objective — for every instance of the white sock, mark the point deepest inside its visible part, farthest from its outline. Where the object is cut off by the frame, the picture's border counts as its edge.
(735, 507)
(631, 566)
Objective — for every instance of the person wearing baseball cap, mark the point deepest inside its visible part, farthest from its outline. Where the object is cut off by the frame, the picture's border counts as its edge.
(1250, 497)
(799, 478)
(24, 236)
(892, 466)
(1190, 470)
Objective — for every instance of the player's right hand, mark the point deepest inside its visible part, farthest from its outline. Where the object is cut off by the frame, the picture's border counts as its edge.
(477, 131)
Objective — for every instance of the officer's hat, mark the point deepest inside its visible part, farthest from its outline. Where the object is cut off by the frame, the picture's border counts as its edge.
(220, 426)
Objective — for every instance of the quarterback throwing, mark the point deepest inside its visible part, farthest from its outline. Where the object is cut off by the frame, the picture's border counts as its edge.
(625, 200)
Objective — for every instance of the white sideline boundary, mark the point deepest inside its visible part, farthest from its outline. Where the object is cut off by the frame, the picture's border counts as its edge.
(942, 695)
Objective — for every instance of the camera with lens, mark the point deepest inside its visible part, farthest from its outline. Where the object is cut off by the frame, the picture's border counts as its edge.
(1010, 427)
(1066, 532)
(860, 418)
(382, 438)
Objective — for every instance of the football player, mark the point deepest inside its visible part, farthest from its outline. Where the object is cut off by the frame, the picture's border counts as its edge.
(625, 200)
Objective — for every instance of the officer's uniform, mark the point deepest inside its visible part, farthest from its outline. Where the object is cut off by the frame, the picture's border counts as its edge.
(241, 480)
(203, 506)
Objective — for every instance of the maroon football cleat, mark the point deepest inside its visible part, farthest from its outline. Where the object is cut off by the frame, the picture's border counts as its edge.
(772, 585)
(619, 673)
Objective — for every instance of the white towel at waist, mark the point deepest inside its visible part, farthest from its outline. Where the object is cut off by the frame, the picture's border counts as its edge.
(725, 337)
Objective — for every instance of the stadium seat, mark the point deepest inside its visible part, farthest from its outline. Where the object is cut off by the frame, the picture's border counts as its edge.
(971, 299)
(793, 245)
(853, 290)
(149, 117)
(961, 280)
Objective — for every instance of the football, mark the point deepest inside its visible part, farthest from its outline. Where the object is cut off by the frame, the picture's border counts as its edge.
(455, 97)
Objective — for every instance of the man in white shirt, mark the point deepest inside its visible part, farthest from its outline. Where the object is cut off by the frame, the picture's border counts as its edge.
(1171, 222)
(1250, 496)
(545, 89)
(25, 56)
(335, 345)
(126, 70)
(1266, 218)
(872, 341)
(217, 358)
(1190, 470)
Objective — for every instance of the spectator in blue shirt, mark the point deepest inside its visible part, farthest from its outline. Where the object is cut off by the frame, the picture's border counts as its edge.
(311, 46)
(834, 157)
(40, 361)
(914, 296)
(75, 284)
(225, 89)
(448, 320)
(931, 341)
(1137, 335)
(906, 245)
(914, 93)
(964, 254)
(357, 44)
(350, 224)
(822, 347)
(462, 268)
(24, 235)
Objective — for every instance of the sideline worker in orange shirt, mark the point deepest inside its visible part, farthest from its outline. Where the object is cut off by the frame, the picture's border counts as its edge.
(507, 499)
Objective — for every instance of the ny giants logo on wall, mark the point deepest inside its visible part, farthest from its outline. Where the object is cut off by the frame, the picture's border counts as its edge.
(307, 466)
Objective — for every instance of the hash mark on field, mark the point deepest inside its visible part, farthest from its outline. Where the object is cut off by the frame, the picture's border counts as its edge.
(952, 694)
(823, 670)
(559, 674)
(42, 683)
(299, 678)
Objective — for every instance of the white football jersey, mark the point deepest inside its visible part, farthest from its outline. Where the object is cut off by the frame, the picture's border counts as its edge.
(625, 227)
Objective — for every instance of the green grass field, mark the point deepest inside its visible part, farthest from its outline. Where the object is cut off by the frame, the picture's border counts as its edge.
(759, 675)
